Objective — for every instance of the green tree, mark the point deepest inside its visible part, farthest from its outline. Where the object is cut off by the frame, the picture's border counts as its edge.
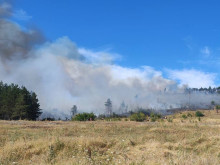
(18, 103)
(34, 110)
(20, 108)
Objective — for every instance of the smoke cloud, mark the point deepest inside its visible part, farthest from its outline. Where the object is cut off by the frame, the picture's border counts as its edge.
(64, 75)
(5, 9)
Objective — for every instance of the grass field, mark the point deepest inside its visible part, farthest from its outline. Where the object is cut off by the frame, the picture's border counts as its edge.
(169, 141)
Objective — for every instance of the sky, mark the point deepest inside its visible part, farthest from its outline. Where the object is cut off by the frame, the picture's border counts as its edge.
(181, 39)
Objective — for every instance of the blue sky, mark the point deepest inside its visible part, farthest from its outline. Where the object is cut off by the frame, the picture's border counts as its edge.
(179, 38)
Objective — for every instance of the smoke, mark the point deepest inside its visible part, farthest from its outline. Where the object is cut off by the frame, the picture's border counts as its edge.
(64, 75)
(5, 9)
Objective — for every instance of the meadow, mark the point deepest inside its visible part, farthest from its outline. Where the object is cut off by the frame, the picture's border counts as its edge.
(180, 139)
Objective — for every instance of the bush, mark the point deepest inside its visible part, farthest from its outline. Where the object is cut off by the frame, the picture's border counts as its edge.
(147, 112)
(153, 119)
(138, 117)
(184, 116)
(199, 114)
(48, 119)
(113, 117)
(154, 116)
(84, 117)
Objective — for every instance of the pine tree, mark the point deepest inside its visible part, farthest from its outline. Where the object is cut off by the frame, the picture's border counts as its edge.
(20, 109)
(18, 103)
(73, 110)
(34, 109)
(122, 108)
(108, 107)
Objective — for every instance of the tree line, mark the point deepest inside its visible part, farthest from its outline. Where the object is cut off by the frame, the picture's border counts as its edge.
(206, 90)
(18, 103)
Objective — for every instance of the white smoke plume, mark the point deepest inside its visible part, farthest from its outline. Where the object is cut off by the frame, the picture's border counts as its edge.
(64, 75)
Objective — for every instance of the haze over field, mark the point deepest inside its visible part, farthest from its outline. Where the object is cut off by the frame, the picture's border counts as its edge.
(63, 74)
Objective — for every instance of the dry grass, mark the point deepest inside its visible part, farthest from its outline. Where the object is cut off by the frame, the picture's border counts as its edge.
(182, 141)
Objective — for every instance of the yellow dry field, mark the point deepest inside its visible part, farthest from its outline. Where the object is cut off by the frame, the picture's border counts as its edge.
(170, 141)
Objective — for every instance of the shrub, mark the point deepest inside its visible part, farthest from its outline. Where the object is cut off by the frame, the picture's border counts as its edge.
(113, 117)
(184, 116)
(153, 119)
(48, 119)
(147, 112)
(217, 107)
(138, 117)
(199, 114)
(84, 117)
(154, 116)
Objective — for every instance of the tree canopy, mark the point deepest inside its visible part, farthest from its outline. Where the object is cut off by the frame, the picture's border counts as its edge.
(18, 103)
